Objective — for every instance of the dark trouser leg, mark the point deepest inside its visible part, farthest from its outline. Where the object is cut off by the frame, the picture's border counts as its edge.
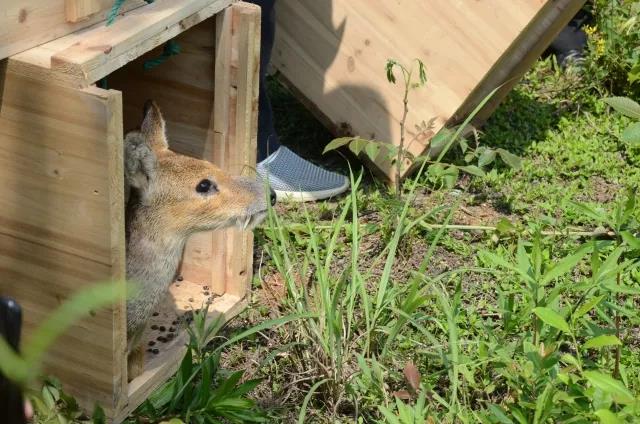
(267, 137)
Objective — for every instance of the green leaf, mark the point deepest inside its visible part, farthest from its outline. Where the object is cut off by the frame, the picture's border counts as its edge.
(631, 135)
(498, 413)
(372, 149)
(337, 143)
(473, 170)
(630, 239)
(610, 386)
(607, 417)
(504, 226)
(602, 341)
(581, 208)
(488, 156)
(357, 145)
(510, 159)
(625, 106)
(587, 306)
(565, 265)
(303, 410)
(389, 68)
(552, 318)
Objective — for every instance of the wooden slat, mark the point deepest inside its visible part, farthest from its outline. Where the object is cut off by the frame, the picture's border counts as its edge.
(79, 10)
(224, 258)
(25, 24)
(335, 54)
(82, 58)
(61, 223)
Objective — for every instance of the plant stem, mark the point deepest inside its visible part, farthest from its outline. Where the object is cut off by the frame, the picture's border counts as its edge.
(405, 102)
(616, 369)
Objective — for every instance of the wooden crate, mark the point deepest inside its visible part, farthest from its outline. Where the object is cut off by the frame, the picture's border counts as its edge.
(28, 23)
(61, 201)
(333, 54)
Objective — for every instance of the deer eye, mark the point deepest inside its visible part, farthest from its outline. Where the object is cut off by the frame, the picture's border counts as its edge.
(205, 186)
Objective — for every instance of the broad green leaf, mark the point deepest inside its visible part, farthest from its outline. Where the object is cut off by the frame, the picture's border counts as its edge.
(565, 265)
(581, 208)
(631, 135)
(510, 159)
(372, 149)
(357, 145)
(610, 386)
(499, 414)
(488, 156)
(473, 170)
(505, 226)
(587, 306)
(570, 359)
(625, 106)
(552, 318)
(630, 239)
(607, 417)
(495, 260)
(602, 341)
(337, 143)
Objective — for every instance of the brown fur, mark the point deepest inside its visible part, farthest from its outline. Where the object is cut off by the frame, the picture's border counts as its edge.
(164, 208)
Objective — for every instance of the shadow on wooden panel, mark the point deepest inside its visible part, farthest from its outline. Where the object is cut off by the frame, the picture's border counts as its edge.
(312, 77)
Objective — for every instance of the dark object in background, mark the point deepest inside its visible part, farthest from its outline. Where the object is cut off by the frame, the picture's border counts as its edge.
(571, 42)
(11, 400)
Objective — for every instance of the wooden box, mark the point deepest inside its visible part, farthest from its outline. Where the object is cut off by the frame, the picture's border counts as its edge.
(28, 23)
(61, 166)
(333, 53)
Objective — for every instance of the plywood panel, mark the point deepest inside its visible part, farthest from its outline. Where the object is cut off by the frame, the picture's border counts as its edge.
(62, 223)
(334, 53)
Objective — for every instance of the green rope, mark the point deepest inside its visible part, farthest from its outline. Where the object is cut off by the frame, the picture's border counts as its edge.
(171, 48)
(115, 10)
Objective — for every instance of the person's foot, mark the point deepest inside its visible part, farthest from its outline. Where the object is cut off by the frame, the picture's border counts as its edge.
(295, 179)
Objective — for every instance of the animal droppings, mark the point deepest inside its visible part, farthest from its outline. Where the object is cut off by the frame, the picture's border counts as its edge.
(155, 314)
(180, 278)
(191, 299)
(205, 288)
(162, 328)
(151, 343)
(156, 351)
(154, 327)
(172, 329)
(206, 293)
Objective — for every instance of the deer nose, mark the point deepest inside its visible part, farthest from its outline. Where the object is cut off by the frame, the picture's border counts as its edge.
(272, 196)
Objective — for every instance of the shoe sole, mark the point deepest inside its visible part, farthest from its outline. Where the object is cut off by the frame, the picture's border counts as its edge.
(310, 196)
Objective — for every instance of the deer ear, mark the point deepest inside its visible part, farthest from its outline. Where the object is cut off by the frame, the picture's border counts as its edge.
(140, 164)
(153, 127)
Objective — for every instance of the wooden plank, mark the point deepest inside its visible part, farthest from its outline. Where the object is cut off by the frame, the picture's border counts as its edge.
(61, 215)
(82, 58)
(335, 54)
(79, 10)
(134, 34)
(25, 24)
(224, 258)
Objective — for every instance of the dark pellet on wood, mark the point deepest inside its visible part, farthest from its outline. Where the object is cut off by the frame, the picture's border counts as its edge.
(191, 299)
(180, 278)
(162, 328)
(151, 343)
(149, 350)
(156, 351)
(172, 329)
(154, 327)
(174, 322)
(162, 339)
(155, 314)
(206, 293)
(206, 287)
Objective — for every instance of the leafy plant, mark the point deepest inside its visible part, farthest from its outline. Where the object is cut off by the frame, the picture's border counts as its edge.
(631, 109)
(201, 391)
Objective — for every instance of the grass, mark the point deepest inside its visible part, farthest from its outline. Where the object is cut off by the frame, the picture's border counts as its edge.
(510, 297)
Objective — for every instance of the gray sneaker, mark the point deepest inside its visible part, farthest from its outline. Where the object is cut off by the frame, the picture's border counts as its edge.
(297, 180)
